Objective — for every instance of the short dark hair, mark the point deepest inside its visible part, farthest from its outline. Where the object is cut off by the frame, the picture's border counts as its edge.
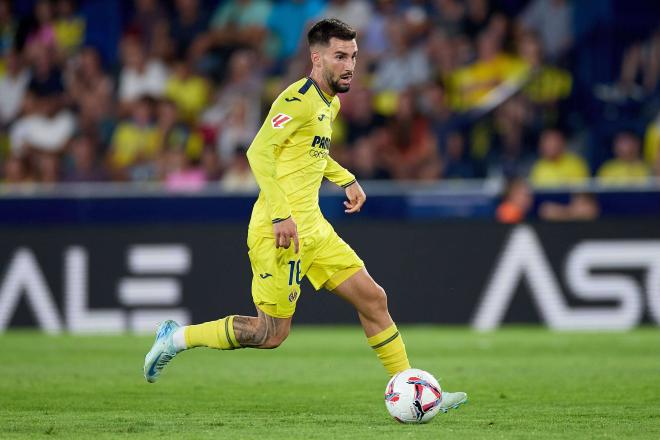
(328, 28)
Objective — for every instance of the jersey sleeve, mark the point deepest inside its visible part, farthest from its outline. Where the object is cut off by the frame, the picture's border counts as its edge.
(337, 174)
(334, 172)
(286, 115)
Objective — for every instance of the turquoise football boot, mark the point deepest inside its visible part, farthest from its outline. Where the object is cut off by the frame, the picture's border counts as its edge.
(161, 352)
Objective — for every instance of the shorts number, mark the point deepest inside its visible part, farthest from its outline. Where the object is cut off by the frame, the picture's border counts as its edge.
(295, 267)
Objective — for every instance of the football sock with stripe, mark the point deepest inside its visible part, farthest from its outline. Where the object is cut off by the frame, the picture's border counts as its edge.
(390, 349)
(213, 334)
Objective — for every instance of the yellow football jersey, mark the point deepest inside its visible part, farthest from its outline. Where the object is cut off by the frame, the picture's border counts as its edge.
(290, 156)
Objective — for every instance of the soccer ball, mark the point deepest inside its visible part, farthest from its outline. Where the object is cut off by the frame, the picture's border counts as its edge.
(413, 396)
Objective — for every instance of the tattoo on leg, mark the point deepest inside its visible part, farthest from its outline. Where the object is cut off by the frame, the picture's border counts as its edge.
(248, 331)
(251, 331)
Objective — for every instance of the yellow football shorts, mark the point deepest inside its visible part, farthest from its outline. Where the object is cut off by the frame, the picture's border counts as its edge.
(325, 259)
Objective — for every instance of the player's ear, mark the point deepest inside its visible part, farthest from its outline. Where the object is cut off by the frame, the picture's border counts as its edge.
(316, 57)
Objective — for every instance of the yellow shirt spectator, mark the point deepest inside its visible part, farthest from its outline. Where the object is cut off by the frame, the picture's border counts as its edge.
(567, 169)
(131, 142)
(652, 143)
(471, 85)
(189, 93)
(69, 33)
(623, 172)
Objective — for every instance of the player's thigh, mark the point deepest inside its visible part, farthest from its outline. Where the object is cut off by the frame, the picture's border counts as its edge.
(334, 261)
(276, 276)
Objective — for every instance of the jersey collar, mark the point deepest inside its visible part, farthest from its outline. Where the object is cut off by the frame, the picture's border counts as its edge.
(325, 97)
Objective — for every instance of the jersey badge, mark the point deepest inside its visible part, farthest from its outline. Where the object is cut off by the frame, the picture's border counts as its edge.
(279, 120)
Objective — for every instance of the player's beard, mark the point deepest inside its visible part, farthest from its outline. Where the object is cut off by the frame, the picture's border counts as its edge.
(334, 83)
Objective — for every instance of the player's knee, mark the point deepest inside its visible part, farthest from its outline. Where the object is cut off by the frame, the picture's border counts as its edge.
(381, 299)
(275, 338)
(377, 303)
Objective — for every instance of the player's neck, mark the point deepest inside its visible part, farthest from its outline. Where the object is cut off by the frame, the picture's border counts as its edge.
(323, 85)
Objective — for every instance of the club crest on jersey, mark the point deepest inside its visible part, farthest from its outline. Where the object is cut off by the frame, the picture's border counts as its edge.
(292, 296)
(279, 120)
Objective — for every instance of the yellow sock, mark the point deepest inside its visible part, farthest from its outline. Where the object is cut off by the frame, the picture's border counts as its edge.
(390, 350)
(213, 334)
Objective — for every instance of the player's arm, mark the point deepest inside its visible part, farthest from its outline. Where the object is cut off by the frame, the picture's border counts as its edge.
(342, 177)
(284, 118)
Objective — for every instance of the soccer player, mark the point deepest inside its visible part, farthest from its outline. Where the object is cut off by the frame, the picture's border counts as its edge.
(288, 237)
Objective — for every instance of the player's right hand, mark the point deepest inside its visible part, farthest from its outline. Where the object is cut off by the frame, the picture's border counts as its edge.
(284, 232)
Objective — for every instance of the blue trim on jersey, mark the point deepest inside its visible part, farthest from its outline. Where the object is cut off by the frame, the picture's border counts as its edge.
(318, 89)
(306, 86)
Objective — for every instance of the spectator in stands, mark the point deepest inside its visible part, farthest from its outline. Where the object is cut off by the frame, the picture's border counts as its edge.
(365, 160)
(511, 151)
(652, 144)
(235, 115)
(450, 16)
(410, 148)
(552, 21)
(405, 65)
(286, 24)
(44, 129)
(557, 166)
(443, 52)
(83, 164)
(358, 112)
(8, 28)
(139, 75)
(547, 84)
(375, 39)
(238, 176)
(146, 24)
(91, 90)
(234, 24)
(46, 74)
(183, 174)
(627, 167)
(356, 12)
(13, 85)
(473, 86)
(188, 90)
(581, 207)
(517, 202)
(135, 142)
(69, 28)
(42, 30)
(210, 163)
(456, 164)
(477, 17)
(15, 170)
(175, 134)
(189, 21)
(640, 68)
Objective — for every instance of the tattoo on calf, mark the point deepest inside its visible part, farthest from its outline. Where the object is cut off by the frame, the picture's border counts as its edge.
(247, 331)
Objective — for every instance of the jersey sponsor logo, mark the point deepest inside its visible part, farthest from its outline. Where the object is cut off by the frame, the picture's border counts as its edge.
(280, 120)
(292, 99)
(321, 117)
(321, 142)
(265, 275)
(320, 147)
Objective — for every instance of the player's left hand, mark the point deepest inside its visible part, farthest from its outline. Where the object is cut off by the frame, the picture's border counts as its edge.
(356, 198)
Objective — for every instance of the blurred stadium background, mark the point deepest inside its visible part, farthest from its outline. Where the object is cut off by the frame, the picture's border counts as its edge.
(510, 150)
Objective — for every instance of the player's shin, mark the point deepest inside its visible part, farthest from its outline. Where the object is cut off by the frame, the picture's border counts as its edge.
(390, 349)
(213, 334)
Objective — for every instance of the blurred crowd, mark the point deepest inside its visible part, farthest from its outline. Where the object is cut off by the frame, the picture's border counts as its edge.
(553, 91)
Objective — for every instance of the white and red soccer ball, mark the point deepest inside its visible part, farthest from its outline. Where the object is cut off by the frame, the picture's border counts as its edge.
(413, 396)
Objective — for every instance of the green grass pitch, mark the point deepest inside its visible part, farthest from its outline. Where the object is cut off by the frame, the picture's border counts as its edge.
(324, 383)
